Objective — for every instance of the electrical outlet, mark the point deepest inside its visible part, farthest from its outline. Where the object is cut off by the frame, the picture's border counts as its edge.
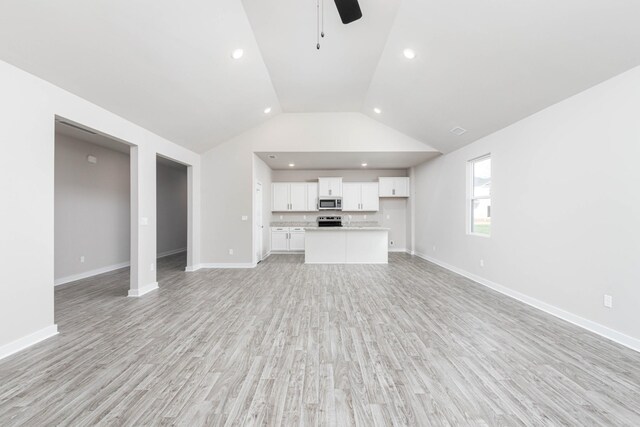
(281, 217)
(230, 251)
(304, 217)
(388, 216)
(434, 248)
(481, 263)
(365, 217)
(608, 301)
(82, 258)
(152, 267)
(245, 217)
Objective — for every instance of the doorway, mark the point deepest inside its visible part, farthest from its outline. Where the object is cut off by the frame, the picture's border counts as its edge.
(259, 226)
(92, 210)
(171, 218)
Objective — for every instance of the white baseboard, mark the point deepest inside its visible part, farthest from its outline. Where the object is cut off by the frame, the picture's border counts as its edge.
(27, 341)
(206, 265)
(90, 273)
(397, 250)
(171, 252)
(596, 328)
(143, 290)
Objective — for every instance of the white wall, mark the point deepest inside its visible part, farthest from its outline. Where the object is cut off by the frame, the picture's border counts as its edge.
(231, 163)
(92, 208)
(565, 207)
(28, 106)
(171, 202)
(392, 213)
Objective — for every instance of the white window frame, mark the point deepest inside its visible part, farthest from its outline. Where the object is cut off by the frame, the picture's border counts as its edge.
(471, 199)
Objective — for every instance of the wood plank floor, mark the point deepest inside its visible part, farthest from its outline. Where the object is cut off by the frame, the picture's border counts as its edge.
(288, 344)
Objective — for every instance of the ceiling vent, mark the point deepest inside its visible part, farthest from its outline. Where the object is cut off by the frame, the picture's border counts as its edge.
(76, 127)
(272, 156)
(458, 131)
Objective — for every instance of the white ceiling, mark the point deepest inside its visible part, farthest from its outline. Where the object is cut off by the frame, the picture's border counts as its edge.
(345, 160)
(481, 64)
(334, 78)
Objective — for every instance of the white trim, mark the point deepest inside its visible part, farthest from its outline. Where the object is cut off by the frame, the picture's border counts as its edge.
(192, 268)
(266, 256)
(286, 252)
(143, 290)
(596, 328)
(171, 252)
(90, 273)
(397, 250)
(27, 341)
(221, 265)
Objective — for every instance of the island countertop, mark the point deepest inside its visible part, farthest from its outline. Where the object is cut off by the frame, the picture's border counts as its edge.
(347, 228)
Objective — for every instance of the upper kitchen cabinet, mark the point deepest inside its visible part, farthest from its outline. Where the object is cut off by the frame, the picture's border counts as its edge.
(394, 186)
(294, 197)
(330, 187)
(360, 196)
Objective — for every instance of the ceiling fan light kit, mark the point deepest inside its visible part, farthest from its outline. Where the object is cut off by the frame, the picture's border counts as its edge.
(349, 11)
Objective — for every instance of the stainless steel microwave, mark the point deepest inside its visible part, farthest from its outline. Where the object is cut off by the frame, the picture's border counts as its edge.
(330, 204)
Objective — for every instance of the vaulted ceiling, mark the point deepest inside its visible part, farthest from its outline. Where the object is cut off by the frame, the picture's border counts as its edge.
(165, 65)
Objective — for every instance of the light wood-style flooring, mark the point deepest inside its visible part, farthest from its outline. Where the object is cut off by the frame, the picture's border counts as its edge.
(407, 343)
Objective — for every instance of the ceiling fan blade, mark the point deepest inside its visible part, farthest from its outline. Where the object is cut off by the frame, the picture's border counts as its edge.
(349, 10)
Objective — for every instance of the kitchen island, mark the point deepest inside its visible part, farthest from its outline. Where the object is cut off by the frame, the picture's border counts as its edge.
(346, 245)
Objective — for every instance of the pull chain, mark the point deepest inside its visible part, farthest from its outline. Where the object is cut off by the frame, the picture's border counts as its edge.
(322, 27)
(318, 24)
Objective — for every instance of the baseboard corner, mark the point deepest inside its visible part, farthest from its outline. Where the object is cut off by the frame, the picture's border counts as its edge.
(28, 340)
(143, 290)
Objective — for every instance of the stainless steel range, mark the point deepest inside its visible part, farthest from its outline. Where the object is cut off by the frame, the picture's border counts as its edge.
(329, 221)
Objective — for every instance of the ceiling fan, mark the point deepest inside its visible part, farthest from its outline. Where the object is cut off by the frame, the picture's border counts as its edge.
(349, 11)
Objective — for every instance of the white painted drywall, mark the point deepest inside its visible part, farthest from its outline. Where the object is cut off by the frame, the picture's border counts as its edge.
(92, 205)
(28, 107)
(171, 199)
(392, 213)
(227, 179)
(565, 206)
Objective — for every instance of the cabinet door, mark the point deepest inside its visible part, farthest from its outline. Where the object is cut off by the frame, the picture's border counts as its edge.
(330, 187)
(280, 196)
(298, 197)
(296, 241)
(351, 198)
(401, 185)
(279, 241)
(385, 186)
(370, 199)
(312, 197)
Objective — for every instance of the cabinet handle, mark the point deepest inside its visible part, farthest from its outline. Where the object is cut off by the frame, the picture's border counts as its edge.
(329, 191)
(393, 191)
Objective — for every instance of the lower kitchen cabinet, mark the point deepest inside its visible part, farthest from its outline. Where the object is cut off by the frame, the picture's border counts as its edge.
(287, 239)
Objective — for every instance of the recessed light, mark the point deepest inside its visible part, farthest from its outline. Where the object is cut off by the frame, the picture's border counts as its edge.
(458, 130)
(267, 110)
(409, 53)
(291, 165)
(364, 165)
(377, 110)
(237, 54)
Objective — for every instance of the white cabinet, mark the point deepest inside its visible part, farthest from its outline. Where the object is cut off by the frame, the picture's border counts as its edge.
(279, 239)
(287, 239)
(360, 196)
(280, 196)
(298, 196)
(394, 186)
(312, 196)
(330, 187)
(294, 197)
(296, 239)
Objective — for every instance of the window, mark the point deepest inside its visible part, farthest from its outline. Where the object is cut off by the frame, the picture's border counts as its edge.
(480, 196)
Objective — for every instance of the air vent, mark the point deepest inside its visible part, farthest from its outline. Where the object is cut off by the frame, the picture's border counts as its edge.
(71, 125)
(458, 130)
(272, 156)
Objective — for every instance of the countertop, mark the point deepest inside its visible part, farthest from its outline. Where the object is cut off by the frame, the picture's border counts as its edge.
(347, 228)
